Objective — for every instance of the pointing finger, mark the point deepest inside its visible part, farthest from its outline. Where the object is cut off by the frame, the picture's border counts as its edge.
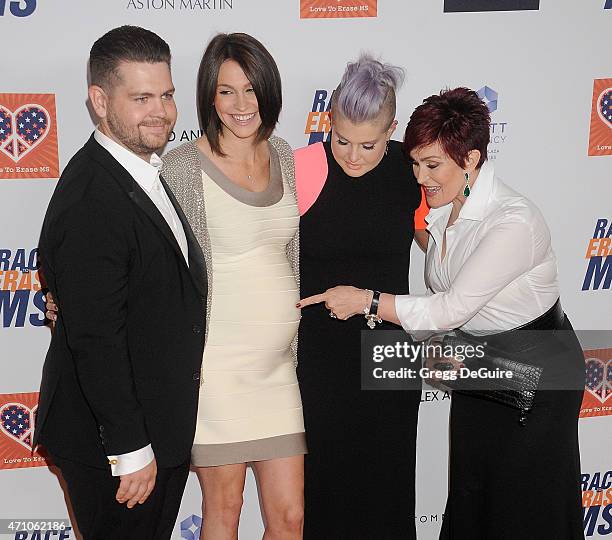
(308, 301)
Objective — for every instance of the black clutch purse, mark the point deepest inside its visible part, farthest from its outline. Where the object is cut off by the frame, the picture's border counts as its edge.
(517, 391)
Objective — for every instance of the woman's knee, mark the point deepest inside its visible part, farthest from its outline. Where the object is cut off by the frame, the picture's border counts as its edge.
(227, 503)
(288, 517)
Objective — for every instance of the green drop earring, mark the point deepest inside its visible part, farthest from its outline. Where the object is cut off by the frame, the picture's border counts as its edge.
(466, 190)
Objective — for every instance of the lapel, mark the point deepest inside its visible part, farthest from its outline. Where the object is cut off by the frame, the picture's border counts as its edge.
(197, 264)
(142, 200)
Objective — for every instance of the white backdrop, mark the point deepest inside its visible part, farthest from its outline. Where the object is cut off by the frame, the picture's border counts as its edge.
(541, 64)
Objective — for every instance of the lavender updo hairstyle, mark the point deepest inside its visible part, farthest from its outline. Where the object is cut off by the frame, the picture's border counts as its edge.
(367, 91)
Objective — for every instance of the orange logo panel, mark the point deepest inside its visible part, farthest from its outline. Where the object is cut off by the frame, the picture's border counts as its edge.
(17, 414)
(337, 9)
(597, 399)
(28, 136)
(600, 138)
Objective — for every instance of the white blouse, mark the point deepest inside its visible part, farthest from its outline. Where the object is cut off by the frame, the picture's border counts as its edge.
(499, 271)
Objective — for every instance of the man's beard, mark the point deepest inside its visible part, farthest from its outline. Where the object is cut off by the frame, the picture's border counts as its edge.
(133, 139)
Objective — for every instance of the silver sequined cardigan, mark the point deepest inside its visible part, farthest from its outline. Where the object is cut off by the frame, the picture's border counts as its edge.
(183, 173)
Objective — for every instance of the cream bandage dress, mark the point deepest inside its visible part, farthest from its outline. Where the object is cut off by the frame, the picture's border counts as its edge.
(249, 407)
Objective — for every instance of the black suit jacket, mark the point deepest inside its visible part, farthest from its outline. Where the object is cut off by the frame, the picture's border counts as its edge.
(123, 366)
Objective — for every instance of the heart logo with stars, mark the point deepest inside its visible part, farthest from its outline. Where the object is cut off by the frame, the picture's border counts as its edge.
(23, 130)
(599, 378)
(604, 107)
(18, 422)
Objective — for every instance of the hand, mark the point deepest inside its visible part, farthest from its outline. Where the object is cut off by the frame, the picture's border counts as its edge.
(137, 486)
(51, 307)
(445, 363)
(440, 366)
(343, 301)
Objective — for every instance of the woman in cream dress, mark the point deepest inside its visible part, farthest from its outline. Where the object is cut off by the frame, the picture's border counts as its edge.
(236, 186)
(249, 407)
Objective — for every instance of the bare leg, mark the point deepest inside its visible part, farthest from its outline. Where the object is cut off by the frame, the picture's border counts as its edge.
(281, 484)
(222, 489)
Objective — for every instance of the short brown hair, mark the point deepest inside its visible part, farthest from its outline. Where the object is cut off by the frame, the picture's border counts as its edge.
(457, 119)
(124, 44)
(259, 68)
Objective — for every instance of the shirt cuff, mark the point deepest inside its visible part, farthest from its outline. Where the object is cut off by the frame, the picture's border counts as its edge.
(131, 462)
(412, 312)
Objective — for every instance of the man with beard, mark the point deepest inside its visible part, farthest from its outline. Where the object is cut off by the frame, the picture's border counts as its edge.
(120, 383)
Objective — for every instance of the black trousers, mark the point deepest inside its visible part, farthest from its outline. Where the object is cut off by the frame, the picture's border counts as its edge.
(100, 517)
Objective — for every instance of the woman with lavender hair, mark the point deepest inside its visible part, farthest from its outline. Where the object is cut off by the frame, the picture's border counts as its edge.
(357, 197)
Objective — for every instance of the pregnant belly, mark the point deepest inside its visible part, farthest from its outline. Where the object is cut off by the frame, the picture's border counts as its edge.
(255, 308)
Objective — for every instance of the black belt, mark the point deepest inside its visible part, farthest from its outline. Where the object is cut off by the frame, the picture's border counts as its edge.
(527, 336)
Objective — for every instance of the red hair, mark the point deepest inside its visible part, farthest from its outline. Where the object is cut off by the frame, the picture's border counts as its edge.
(457, 119)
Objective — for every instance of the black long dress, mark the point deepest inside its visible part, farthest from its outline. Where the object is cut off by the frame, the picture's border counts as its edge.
(360, 469)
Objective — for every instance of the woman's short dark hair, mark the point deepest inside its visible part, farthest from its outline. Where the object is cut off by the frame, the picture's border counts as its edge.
(124, 44)
(261, 71)
(457, 119)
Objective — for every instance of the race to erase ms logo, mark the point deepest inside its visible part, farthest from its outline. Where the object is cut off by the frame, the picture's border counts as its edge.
(460, 6)
(17, 8)
(597, 503)
(337, 9)
(318, 121)
(28, 136)
(17, 422)
(600, 134)
(599, 254)
(498, 128)
(21, 295)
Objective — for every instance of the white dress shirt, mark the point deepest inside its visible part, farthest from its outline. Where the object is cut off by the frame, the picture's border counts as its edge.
(147, 177)
(499, 270)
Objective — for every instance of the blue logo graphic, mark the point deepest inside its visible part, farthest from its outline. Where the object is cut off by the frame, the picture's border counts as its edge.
(489, 96)
(17, 9)
(608, 4)
(190, 527)
(498, 128)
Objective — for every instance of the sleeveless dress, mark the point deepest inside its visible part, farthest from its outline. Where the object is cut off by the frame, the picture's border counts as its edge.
(360, 467)
(249, 404)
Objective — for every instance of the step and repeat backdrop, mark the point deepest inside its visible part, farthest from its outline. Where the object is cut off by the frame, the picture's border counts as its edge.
(543, 67)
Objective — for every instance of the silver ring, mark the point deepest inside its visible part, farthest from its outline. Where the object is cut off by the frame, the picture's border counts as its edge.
(332, 315)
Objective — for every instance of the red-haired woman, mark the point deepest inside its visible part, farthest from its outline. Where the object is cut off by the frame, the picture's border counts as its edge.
(490, 270)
